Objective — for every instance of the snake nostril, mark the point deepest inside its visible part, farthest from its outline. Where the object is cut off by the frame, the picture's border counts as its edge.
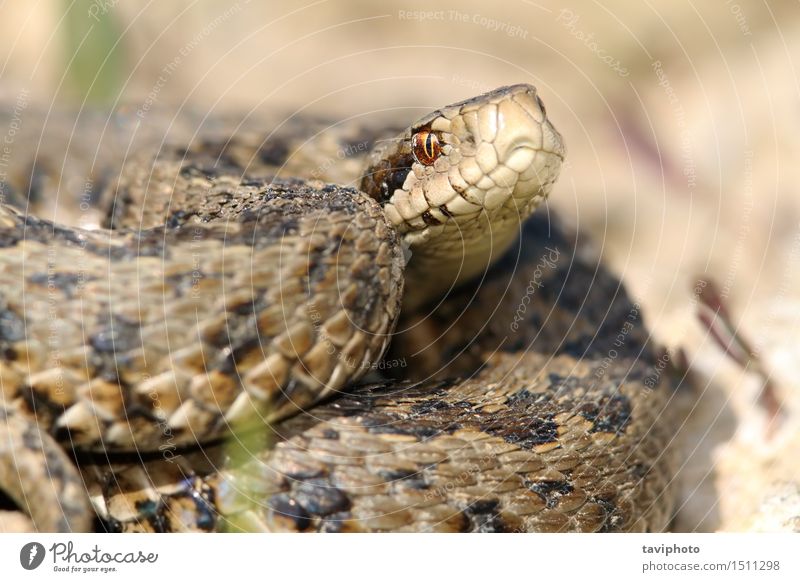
(541, 105)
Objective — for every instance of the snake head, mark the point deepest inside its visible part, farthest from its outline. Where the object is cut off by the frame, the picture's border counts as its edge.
(458, 182)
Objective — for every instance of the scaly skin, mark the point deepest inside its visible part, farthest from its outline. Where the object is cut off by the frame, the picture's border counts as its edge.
(566, 427)
(226, 300)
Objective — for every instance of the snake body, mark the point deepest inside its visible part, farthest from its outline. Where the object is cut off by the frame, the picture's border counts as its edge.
(201, 356)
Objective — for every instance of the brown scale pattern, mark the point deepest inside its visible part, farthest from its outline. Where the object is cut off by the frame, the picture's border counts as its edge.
(526, 428)
(232, 312)
(37, 459)
(86, 349)
(547, 435)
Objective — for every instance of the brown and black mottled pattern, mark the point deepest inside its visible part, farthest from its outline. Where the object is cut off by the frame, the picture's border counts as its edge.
(179, 322)
(388, 176)
(541, 295)
(58, 486)
(545, 436)
(149, 188)
(535, 428)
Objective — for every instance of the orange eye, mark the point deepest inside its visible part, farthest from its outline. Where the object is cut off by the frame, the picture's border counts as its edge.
(425, 146)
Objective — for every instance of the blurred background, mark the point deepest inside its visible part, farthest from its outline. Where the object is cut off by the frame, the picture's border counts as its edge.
(682, 122)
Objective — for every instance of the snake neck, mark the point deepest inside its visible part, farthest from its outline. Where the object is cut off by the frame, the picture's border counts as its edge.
(465, 253)
(430, 275)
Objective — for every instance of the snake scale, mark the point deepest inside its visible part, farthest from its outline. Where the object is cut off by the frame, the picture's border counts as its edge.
(215, 356)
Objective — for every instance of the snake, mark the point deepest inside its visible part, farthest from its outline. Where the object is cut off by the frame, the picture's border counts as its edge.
(328, 327)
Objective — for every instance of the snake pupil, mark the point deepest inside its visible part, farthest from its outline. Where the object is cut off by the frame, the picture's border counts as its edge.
(426, 147)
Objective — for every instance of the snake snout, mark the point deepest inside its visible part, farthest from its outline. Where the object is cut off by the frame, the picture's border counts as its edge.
(524, 129)
(523, 156)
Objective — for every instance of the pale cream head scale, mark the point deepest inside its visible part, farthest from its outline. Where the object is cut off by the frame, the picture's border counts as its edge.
(458, 183)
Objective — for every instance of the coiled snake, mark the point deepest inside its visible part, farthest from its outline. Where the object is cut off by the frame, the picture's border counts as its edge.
(200, 358)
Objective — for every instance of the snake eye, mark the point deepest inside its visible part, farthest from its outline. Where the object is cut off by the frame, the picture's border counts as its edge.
(426, 147)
